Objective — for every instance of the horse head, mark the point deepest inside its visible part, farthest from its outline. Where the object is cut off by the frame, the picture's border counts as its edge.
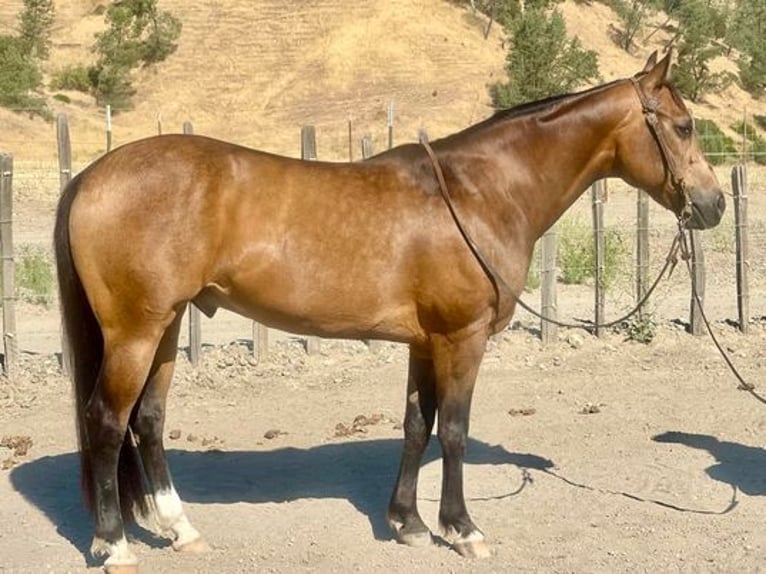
(658, 151)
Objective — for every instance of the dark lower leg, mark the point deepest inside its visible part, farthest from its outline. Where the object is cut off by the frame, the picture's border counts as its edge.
(105, 438)
(419, 416)
(148, 421)
(120, 382)
(148, 424)
(457, 366)
(453, 433)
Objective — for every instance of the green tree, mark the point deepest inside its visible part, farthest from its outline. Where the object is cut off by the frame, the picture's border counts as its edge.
(748, 33)
(35, 23)
(20, 78)
(138, 34)
(542, 61)
(632, 15)
(700, 24)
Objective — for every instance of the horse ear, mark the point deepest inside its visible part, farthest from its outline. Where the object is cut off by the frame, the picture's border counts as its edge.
(651, 62)
(658, 73)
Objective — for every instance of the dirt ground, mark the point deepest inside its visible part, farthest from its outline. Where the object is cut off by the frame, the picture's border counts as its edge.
(586, 455)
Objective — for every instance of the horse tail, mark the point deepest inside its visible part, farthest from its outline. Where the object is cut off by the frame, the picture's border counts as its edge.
(83, 357)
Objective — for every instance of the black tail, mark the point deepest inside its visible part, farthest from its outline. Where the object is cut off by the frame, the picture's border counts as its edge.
(83, 356)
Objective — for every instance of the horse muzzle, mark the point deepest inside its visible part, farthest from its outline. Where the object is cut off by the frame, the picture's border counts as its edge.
(707, 208)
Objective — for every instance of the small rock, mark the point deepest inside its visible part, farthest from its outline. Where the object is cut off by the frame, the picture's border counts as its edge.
(574, 340)
(590, 409)
(525, 412)
(175, 434)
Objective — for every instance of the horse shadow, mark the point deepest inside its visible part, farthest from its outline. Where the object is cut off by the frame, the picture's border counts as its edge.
(741, 466)
(361, 471)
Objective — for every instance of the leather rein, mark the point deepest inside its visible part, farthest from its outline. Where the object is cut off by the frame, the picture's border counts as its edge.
(650, 111)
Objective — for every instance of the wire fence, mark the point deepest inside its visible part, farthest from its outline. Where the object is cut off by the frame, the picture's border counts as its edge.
(36, 185)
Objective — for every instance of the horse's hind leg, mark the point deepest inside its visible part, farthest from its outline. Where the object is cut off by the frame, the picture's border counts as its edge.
(403, 516)
(127, 358)
(148, 423)
(456, 365)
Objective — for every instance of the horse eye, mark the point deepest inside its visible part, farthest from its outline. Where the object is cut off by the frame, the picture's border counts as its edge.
(685, 130)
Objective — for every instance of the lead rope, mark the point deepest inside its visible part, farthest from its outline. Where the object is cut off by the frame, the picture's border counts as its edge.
(679, 243)
(743, 384)
(497, 280)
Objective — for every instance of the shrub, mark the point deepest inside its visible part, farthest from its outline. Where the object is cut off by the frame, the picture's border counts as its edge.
(542, 60)
(20, 77)
(533, 275)
(756, 149)
(577, 254)
(716, 145)
(34, 274)
(641, 328)
(137, 34)
(72, 77)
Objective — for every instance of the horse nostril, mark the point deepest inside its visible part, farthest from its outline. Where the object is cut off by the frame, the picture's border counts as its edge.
(721, 203)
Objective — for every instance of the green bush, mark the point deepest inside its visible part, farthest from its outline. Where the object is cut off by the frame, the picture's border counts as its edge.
(757, 145)
(20, 78)
(641, 328)
(34, 274)
(577, 257)
(533, 274)
(542, 61)
(111, 85)
(716, 145)
(73, 77)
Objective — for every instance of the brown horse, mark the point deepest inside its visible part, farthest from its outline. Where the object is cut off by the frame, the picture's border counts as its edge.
(364, 250)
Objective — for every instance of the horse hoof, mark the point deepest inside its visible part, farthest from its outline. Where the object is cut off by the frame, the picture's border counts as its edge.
(414, 539)
(473, 549)
(121, 569)
(196, 546)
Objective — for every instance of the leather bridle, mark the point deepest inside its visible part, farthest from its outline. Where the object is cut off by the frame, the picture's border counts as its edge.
(650, 109)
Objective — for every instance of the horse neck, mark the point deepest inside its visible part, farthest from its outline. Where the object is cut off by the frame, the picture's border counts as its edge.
(540, 163)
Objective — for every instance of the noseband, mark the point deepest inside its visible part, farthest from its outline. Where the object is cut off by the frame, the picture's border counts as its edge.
(650, 109)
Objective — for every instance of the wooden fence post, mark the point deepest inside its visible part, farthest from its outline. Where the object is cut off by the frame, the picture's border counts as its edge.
(642, 247)
(195, 317)
(597, 195)
(64, 151)
(308, 143)
(739, 185)
(350, 139)
(696, 323)
(10, 342)
(309, 152)
(548, 331)
(108, 128)
(390, 121)
(367, 146)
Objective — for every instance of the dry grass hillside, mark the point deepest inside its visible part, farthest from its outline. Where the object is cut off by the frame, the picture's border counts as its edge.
(254, 71)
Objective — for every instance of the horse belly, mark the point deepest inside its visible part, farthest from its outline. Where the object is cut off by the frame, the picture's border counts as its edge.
(315, 304)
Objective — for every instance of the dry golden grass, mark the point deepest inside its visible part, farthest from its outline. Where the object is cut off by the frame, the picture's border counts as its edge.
(255, 71)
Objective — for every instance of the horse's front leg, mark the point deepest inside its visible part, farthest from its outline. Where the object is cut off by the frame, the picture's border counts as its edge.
(403, 516)
(456, 363)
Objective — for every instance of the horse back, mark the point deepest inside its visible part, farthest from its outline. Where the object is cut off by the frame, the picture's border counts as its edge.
(362, 249)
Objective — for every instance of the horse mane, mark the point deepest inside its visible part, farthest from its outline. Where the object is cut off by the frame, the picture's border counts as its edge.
(534, 107)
